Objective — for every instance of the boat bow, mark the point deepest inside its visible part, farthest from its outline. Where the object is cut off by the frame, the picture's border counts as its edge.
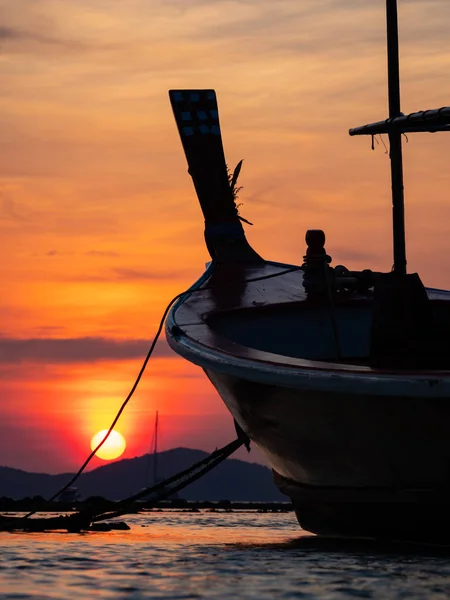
(197, 117)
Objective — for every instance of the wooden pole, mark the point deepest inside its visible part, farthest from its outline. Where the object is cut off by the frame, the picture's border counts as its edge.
(395, 139)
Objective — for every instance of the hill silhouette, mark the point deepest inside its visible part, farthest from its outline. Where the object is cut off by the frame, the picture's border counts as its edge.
(234, 479)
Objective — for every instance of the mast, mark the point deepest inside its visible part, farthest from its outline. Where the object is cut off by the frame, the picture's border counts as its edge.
(395, 139)
(155, 452)
(395, 125)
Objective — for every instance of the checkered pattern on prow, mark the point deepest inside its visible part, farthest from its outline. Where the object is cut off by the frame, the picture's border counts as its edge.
(196, 112)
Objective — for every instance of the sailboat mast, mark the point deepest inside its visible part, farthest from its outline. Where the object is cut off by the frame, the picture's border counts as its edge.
(155, 452)
(395, 139)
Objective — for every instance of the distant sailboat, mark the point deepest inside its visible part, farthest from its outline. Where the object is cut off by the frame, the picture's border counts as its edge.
(153, 464)
(151, 470)
(155, 450)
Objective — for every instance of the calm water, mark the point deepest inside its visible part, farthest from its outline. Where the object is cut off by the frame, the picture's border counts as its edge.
(214, 555)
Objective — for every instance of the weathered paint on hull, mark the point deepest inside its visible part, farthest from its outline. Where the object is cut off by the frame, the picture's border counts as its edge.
(352, 464)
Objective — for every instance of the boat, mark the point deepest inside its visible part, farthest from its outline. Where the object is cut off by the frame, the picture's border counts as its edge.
(340, 377)
(156, 480)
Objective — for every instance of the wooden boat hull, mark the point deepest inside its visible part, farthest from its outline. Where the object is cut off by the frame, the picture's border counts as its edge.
(352, 464)
(342, 378)
(360, 451)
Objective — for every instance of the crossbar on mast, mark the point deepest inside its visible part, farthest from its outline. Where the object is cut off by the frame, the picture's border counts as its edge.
(395, 139)
(425, 120)
(421, 121)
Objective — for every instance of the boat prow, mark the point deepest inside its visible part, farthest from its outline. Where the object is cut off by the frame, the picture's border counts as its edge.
(342, 378)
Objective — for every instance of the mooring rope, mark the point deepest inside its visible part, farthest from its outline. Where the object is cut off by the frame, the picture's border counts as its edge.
(196, 287)
(193, 288)
(82, 519)
(163, 488)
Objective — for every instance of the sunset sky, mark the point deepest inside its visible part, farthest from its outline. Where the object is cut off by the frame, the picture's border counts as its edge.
(99, 222)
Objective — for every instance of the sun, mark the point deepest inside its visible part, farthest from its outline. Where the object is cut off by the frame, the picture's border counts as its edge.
(112, 448)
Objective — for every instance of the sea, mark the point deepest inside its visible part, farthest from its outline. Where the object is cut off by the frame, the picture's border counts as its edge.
(216, 554)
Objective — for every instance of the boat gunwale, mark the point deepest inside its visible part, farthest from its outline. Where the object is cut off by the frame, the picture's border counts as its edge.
(235, 359)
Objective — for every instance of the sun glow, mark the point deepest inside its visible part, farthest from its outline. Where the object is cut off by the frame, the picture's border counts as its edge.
(112, 448)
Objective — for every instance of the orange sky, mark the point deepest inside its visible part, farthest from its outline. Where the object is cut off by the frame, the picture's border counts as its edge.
(98, 219)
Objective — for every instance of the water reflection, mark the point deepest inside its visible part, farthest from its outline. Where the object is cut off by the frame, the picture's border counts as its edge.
(204, 555)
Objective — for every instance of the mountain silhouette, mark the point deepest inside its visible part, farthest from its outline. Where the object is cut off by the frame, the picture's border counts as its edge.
(234, 479)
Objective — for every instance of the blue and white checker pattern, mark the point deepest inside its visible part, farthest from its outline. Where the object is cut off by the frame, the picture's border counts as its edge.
(196, 112)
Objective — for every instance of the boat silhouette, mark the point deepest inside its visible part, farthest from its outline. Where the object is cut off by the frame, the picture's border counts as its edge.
(340, 377)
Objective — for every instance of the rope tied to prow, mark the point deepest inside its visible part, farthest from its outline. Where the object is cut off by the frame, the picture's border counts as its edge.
(168, 487)
(82, 520)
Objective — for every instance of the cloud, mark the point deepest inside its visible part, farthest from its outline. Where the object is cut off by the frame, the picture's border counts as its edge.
(52, 253)
(7, 33)
(176, 29)
(70, 350)
(126, 274)
(45, 32)
(101, 253)
(9, 210)
(11, 34)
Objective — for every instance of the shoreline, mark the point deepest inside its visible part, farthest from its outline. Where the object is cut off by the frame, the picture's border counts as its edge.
(40, 505)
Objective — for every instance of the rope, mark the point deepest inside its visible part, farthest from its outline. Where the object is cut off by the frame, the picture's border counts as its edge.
(83, 518)
(203, 467)
(205, 276)
(196, 287)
